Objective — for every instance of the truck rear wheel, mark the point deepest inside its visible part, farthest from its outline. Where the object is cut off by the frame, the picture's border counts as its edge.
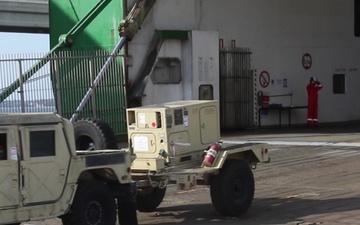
(94, 204)
(150, 201)
(232, 190)
(93, 135)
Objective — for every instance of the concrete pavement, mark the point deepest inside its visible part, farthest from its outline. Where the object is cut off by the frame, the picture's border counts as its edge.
(347, 132)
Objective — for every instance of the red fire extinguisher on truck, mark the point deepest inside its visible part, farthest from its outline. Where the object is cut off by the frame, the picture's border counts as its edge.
(211, 154)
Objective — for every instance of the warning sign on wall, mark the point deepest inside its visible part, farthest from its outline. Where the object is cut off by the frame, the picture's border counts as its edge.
(306, 61)
(264, 79)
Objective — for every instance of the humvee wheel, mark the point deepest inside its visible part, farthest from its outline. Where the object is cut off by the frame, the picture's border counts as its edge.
(232, 190)
(147, 202)
(94, 204)
(94, 134)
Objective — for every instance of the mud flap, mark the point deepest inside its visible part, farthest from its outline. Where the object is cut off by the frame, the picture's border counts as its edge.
(127, 206)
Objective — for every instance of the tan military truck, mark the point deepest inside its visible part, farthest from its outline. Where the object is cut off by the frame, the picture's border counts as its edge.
(42, 175)
(179, 142)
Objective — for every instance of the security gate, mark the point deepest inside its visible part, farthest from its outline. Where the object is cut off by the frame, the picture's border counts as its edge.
(236, 88)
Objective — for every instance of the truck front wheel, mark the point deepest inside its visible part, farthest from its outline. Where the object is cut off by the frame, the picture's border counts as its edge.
(232, 190)
(94, 204)
(147, 202)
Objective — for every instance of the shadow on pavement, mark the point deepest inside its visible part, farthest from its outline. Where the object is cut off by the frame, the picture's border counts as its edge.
(263, 211)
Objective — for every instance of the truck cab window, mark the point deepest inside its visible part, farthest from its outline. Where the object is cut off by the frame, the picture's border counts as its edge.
(42, 143)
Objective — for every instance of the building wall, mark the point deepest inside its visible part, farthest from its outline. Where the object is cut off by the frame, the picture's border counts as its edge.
(279, 33)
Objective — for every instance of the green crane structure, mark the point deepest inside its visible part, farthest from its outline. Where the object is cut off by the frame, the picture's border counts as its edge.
(83, 35)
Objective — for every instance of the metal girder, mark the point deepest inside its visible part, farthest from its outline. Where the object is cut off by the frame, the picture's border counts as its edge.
(26, 16)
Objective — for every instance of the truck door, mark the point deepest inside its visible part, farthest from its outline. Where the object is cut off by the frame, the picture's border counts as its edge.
(45, 163)
(209, 130)
(9, 168)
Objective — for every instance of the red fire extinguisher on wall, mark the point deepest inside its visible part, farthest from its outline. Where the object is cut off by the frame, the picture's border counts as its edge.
(211, 154)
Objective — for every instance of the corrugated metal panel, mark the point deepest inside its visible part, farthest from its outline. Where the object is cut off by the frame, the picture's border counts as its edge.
(236, 88)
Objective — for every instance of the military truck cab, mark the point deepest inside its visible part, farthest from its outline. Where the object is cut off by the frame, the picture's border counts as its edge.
(42, 175)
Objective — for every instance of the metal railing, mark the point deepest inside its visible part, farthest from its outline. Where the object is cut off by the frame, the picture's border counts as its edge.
(34, 95)
(61, 83)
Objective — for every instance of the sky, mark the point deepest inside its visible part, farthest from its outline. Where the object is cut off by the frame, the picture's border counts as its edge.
(14, 43)
(23, 45)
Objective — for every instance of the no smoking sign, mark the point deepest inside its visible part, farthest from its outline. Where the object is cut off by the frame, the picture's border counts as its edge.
(264, 79)
(306, 61)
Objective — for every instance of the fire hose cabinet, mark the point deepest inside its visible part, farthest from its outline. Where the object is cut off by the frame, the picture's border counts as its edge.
(173, 133)
(265, 99)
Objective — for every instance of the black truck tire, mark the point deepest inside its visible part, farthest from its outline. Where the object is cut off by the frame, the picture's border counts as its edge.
(94, 204)
(94, 135)
(150, 201)
(232, 190)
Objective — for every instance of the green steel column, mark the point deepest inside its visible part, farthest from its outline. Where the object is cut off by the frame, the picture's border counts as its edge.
(89, 28)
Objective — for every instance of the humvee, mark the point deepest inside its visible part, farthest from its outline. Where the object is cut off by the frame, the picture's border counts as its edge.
(43, 175)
